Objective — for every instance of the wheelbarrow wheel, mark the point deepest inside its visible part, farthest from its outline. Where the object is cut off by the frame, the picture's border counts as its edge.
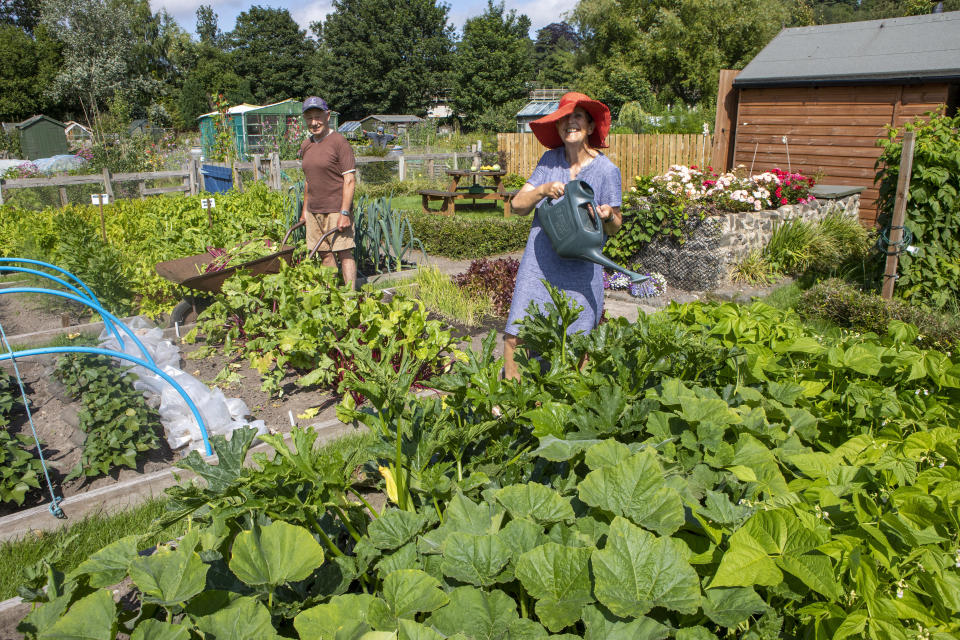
(183, 313)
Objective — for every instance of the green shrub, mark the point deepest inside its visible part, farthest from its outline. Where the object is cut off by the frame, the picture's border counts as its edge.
(933, 209)
(846, 306)
(439, 293)
(791, 247)
(754, 269)
(459, 238)
(513, 181)
(396, 188)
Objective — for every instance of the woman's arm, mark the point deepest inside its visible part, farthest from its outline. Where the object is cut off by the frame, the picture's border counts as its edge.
(529, 195)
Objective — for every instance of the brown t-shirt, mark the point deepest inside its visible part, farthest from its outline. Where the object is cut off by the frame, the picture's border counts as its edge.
(324, 164)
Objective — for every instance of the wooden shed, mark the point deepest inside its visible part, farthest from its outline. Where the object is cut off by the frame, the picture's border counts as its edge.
(817, 99)
(42, 137)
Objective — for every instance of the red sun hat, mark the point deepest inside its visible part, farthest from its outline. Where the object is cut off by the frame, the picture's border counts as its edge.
(545, 128)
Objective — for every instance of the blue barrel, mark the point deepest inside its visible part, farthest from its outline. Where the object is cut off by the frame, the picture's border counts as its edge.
(216, 179)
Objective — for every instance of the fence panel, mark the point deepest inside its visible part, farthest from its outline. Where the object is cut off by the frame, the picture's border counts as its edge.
(634, 154)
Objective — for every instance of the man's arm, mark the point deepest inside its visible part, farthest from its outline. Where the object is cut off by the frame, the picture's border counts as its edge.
(303, 214)
(346, 204)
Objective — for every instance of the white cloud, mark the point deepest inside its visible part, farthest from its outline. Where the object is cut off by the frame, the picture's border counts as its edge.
(311, 12)
(540, 12)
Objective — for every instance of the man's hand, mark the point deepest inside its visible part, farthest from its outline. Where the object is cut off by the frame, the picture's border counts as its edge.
(344, 222)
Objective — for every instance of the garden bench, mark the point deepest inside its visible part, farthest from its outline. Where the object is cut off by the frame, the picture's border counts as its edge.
(449, 199)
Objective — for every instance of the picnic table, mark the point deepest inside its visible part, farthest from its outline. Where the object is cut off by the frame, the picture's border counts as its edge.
(473, 191)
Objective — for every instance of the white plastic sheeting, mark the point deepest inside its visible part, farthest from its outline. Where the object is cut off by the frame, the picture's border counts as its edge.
(221, 415)
(56, 164)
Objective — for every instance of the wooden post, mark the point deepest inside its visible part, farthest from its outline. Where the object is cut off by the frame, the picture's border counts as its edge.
(455, 161)
(401, 169)
(430, 164)
(899, 215)
(192, 175)
(63, 196)
(725, 125)
(107, 184)
(1, 191)
(143, 189)
(276, 182)
(237, 180)
(256, 167)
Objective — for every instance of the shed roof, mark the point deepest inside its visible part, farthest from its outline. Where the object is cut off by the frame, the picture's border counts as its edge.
(348, 126)
(537, 108)
(35, 119)
(925, 47)
(392, 118)
(70, 124)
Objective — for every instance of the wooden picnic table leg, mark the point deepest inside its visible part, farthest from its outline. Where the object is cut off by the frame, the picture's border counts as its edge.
(425, 201)
(453, 185)
(498, 180)
(506, 206)
(448, 205)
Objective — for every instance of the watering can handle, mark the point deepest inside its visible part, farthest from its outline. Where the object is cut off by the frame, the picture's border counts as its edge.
(594, 216)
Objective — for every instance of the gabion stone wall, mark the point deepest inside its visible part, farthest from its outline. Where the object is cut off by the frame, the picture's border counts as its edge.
(717, 242)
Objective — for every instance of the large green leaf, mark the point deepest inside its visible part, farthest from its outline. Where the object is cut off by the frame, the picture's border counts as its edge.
(324, 621)
(520, 536)
(244, 619)
(635, 488)
(637, 571)
(109, 565)
(394, 528)
(728, 607)
(410, 630)
(409, 591)
(602, 625)
(157, 630)
(484, 615)
(559, 578)
(607, 453)
(535, 502)
(169, 577)
(230, 456)
(474, 559)
(275, 554)
(756, 548)
(91, 618)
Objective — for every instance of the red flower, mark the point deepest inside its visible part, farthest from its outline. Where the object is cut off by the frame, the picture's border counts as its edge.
(783, 201)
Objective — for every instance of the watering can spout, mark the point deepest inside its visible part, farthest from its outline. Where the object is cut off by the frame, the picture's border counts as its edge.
(575, 230)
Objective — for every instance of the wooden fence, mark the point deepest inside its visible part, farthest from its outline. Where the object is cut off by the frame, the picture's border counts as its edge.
(268, 168)
(634, 154)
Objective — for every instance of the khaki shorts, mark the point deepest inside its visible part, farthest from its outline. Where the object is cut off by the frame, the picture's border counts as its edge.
(320, 223)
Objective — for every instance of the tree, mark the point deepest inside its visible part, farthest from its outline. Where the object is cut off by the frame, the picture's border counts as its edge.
(266, 44)
(553, 55)
(207, 28)
(21, 13)
(192, 102)
(676, 46)
(389, 57)
(492, 69)
(97, 50)
(26, 67)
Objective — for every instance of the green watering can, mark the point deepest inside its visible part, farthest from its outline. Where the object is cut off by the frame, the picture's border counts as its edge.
(574, 227)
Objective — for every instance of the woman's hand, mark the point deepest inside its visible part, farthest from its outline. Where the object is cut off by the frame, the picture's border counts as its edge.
(552, 190)
(605, 211)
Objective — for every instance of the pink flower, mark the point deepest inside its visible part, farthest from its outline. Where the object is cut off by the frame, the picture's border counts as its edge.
(783, 201)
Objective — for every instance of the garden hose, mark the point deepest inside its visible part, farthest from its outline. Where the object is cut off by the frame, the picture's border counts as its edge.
(884, 244)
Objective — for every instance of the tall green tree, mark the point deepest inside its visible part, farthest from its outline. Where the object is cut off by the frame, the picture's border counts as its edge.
(27, 65)
(380, 56)
(21, 13)
(268, 46)
(208, 29)
(493, 69)
(676, 47)
(554, 55)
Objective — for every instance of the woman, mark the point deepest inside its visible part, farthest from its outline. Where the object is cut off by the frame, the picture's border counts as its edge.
(573, 134)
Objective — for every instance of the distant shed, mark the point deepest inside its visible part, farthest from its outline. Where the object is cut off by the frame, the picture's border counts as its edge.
(258, 129)
(42, 137)
(831, 90)
(392, 123)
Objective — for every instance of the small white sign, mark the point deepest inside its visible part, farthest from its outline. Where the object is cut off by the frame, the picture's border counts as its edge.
(99, 198)
(208, 203)
(912, 250)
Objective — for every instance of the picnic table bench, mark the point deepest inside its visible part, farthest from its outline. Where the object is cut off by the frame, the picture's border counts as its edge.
(471, 192)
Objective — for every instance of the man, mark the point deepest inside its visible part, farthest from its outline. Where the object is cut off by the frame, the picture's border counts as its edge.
(329, 170)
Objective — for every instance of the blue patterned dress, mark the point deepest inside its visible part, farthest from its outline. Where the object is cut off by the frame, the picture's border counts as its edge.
(582, 280)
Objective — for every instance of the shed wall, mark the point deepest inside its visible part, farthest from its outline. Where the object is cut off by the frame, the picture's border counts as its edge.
(830, 130)
(42, 139)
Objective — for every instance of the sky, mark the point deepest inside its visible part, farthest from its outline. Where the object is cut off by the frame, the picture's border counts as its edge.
(540, 12)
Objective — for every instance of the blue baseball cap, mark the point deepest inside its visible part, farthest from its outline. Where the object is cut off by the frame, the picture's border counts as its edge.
(313, 102)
